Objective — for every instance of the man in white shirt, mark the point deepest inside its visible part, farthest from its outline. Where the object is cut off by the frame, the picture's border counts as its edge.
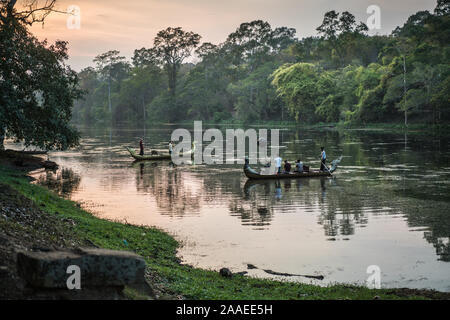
(278, 162)
(299, 166)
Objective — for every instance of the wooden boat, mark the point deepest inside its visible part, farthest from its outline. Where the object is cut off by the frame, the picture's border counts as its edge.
(252, 174)
(137, 157)
(314, 173)
(162, 156)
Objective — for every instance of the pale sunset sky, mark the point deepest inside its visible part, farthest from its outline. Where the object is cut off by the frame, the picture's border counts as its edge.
(128, 25)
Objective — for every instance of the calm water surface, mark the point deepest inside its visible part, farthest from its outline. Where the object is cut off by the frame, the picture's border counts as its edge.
(388, 205)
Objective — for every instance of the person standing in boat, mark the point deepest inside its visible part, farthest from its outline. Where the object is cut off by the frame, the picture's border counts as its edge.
(170, 147)
(278, 162)
(141, 147)
(323, 159)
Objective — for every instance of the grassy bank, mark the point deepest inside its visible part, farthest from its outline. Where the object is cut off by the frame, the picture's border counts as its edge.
(164, 270)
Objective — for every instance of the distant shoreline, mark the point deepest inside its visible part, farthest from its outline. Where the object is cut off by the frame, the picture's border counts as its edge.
(418, 128)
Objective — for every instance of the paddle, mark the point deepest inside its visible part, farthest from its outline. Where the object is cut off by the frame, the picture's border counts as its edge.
(326, 168)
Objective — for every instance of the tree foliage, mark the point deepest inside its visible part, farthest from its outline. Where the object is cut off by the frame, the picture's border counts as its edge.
(261, 73)
(172, 46)
(37, 88)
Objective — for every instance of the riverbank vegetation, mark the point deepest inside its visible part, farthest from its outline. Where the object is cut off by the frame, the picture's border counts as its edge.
(262, 73)
(168, 277)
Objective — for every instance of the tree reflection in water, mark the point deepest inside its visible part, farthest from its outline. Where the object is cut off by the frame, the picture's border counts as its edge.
(342, 206)
(173, 193)
(337, 216)
(64, 182)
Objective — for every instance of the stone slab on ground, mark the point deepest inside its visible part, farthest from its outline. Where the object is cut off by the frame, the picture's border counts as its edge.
(99, 268)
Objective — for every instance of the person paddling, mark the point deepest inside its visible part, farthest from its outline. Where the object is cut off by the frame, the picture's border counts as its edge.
(323, 159)
(141, 146)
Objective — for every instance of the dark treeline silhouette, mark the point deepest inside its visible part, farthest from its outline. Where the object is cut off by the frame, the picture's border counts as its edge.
(260, 73)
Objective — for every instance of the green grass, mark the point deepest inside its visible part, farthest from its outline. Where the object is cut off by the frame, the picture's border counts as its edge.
(159, 250)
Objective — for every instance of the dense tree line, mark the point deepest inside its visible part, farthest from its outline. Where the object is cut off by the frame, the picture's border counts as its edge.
(260, 73)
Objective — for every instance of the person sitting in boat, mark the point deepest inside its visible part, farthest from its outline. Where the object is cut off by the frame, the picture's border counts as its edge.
(141, 147)
(287, 167)
(248, 168)
(323, 159)
(170, 147)
(278, 162)
(299, 166)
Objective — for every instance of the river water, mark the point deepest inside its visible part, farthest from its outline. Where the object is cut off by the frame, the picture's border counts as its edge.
(387, 205)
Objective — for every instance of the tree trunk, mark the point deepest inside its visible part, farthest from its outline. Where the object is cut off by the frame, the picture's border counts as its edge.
(143, 108)
(172, 74)
(2, 138)
(404, 90)
(109, 95)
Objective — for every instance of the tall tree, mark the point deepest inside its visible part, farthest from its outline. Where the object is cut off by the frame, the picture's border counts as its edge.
(107, 64)
(403, 47)
(144, 57)
(172, 47)
(37, 88)
(253, 42)
(84, 108)
(297, 85)
(442, 8)
(340, 31)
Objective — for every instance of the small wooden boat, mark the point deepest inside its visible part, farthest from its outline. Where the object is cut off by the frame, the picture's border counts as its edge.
(137, 157)
(252, 174)
(256, 176)
(162, 156)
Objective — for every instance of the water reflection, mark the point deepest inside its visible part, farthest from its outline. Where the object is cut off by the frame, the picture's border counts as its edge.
(385, 200)
(337, 216)
(174, 194)
(63, 182)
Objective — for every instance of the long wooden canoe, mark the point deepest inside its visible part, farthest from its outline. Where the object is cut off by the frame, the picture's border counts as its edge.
(137, 157)
(310, 174)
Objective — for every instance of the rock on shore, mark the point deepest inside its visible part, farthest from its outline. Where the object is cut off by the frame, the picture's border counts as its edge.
(99, 268)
